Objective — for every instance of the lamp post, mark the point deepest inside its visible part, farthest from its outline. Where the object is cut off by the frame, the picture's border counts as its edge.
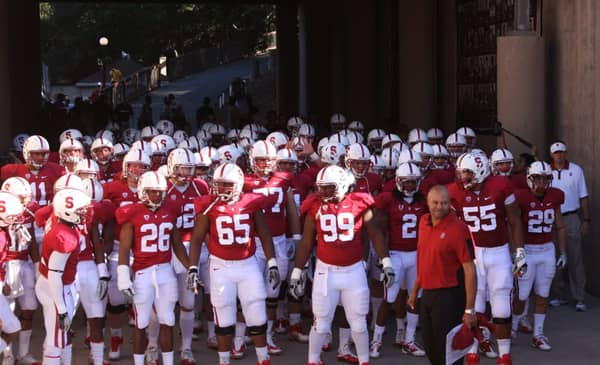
(103, 42)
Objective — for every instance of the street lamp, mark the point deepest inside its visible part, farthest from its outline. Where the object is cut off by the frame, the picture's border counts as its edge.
(103, 42)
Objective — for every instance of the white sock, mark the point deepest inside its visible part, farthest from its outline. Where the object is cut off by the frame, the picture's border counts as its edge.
(262, 354)
(240, 329)
(375, 304)
(503, 346)
(412, 320)
(224, 358)
(24, 340)
(315, 344)
(538, 323)
(53, 360)
(378, 333)
(116, 332)
(526, 310)
(3, 344)
(270, 331)
(186, 323)
(210, 326)
(361, 341)
(138, 359)
(282, 309)
(167, 357)
(345, 334)
(97, 350)
(67, 355)
(400, 324)
(153, 331)
(516, 318)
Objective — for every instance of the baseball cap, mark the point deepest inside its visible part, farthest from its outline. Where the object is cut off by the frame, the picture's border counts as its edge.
(558, 147)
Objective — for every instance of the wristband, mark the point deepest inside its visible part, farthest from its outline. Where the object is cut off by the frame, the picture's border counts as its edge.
(297, 237)
(470, 311)
(296, 273)
(272, 262)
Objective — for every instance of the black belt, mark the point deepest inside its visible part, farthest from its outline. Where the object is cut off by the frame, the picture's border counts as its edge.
(570, 212)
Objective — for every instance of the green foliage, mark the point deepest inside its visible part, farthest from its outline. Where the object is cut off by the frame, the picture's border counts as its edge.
(70, 31)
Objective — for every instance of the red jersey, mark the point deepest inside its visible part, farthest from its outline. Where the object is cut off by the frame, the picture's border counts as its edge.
(120, 194)
(389, 185)
(151, 232)
(538, 215)
(107, 173)
(276, 186)
(435, 177)
(519, 181)
(305, 180)
(339, 227)
(42, 183)
(103, 211)
(64, 239)
(370, 183)
(185, 203)
(403, 220)
(484, 213)
(231, 231)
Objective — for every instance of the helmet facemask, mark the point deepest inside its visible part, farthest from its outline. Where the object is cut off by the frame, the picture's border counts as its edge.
(503, 168)
(328, 192)
(407, 185)
(539, 183)
(153, 198)
(227, 191)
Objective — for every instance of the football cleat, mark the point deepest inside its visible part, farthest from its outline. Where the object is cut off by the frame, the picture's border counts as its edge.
(375, 349)
(115, 348)
(472, 359)
(273, 348)
(296, 333)
(187, 357)
(238, 352)
(413, 348)
(346, 356)
(400, 335)
(486, 348)
(281, 326)
(504, 360)
(312, 363)
(580, 307)
(152, 356)
(327, 345)
(541, 342)
(211, 342)
(264, 362)
(28, 360)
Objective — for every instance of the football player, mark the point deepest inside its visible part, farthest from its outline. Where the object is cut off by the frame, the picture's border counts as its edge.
(102, 152)
(71, 152)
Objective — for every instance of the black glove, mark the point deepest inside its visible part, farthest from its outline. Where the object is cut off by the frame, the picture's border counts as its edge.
(193, 280)
(273, 278)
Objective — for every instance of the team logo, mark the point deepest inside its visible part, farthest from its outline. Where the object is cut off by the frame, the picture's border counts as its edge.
(124, 194)
(221, 209)
(324, 207)
(256, 182)
(532, 204)
(400, 206)
(27, 175)
(443, 235)
(468, 199)
(146, 217)
(173, 197)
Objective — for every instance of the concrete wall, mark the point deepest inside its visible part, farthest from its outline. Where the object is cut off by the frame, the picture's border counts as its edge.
(5, 105)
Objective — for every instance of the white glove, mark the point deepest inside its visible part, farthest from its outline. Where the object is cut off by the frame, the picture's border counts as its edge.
(562, 260)
(519, 262)
(387, 272)
(193, 280)
(297, 283)
(124, 282)
(103, 277)
(273, 277)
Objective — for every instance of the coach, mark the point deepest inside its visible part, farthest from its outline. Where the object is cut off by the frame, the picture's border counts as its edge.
(445, 272)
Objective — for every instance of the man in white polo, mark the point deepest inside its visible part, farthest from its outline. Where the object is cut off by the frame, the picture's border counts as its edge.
(569, 177)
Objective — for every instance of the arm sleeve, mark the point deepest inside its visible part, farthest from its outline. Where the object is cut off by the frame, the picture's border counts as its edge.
(56, 266)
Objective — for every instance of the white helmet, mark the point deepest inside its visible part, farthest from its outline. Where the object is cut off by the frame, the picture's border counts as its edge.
(249, 133)
(333, 183)
(135, 156)
(233, 135)
(286, 155)
(165, 127)
(166, 143)
(278, 139)
(478, 151)
(120, 149)
(469, 135)
(409, 156)
(425, 151)
(504, 157)
(293, 124)
(68, 181)
(143, 146)
(374, 139)
(66, 147)
(19, 141)
(71, 205)
(376, 164)
(456, 144)
(333, 154)
(357, 126)
(93, 189)
(101, 143)
(339, 138)
(389, 161)
(417, 135)
(390, 139)
(212, 153)
(539, 177)
(354, 137)
(322, 143)
(337, 122)
(408, 173)
(201, 159)
(36, 143)
(218, 133)
(87, 141)
(358, 159)
(19, 187)
(180, 135)
(106, 134)
(206, 126)
(228, 173)
(229, 153)
(196, 143)
(188, 144)
(11, 209)
(70, 133)
(472, 169)
(265, 151)
(435, 136)
(151, 180)
(87, 169)
(181, 158)
(307, 131)
(148, 133)
(130, 135)
(440, 157)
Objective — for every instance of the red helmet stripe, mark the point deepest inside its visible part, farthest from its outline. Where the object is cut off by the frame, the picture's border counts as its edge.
(362, 151)
(503, 152)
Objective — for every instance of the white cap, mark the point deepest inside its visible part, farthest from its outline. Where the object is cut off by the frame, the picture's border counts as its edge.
(558, 147)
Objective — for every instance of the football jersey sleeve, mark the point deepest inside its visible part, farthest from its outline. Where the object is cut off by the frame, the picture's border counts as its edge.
(382, 200)
(364, 199)
(202, 186)
(42, 215)
(66, 241)
(200, 204)
(559, 196)
(308, 203)
(507, 190)
(7, 171)
(123, 214)
(104, 211)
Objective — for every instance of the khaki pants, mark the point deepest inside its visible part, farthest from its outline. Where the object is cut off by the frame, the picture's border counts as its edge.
(573, 276)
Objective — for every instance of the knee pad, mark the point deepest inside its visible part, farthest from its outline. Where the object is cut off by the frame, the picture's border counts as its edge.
(283, 289)
(358, 323)
(116, 309)
(322, 325)
(257, 330)
(272, 302)
(501, 303)
(225, 331)
(507, 320)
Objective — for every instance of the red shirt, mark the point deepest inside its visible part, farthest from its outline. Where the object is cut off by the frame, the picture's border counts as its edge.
(435, 177)
(305, 180)
(185, 203)
(107, 172)
(42, 183)
(103, 211)
(276, 186)
(485, 213)
(519, 181)
(339, 227)
(538, 215)
(119, 193)
(370, 183)
(402, 220)
(442, 250)
(151, 232)
(231, 231)
(64, 239)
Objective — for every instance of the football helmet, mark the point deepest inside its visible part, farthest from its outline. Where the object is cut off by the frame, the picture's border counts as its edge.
(339, 138)
(70, 133)
(195, 143)
(179, 136)
(106, 134)
(93, 189)
(425, 151)
(390, 139)
(71, 151)
(337, 122)
(469, 135)
(19, 187)
(322, 143)
(19, 141)
(456, 144)
(358, 159)
(408, 178)
(181, 164)
(218, 133)
(354, 137)
(135, 163)
(293, 124)
(152, 180)
(166, 142)
(113, 127)
(440, 157)
(130, 135)
(71, 205)
(502, 161)
(87, 141)
(212, 153)
(374, 140)
(68, 181)
(287, 160)
(11, 209)
(435, 136)
(148, 133)
(204, 166)
(357, 126)
(416, 135)
(409, 156)
(539, 177)
(87, 169)
(143, 146)
(102, 151)
(207, 126)
(472, 169)
(165, 127)
(332, 183)
(119, 150)
(333, 154)
(229, 153)
(262, 157)
(478, 151)
(233, 135)
(38, 145)
(389, 162)
(377, 165)
(228, 181)
(306, 131)
(250, 133)
(278, 139)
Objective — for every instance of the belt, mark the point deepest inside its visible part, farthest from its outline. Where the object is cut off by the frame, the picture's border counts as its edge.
(570, 212)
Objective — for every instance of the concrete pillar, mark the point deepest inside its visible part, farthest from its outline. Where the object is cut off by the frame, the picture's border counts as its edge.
(446, 65)
(386, 23)
(287, 58)
(521, 89)
(5, 86)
